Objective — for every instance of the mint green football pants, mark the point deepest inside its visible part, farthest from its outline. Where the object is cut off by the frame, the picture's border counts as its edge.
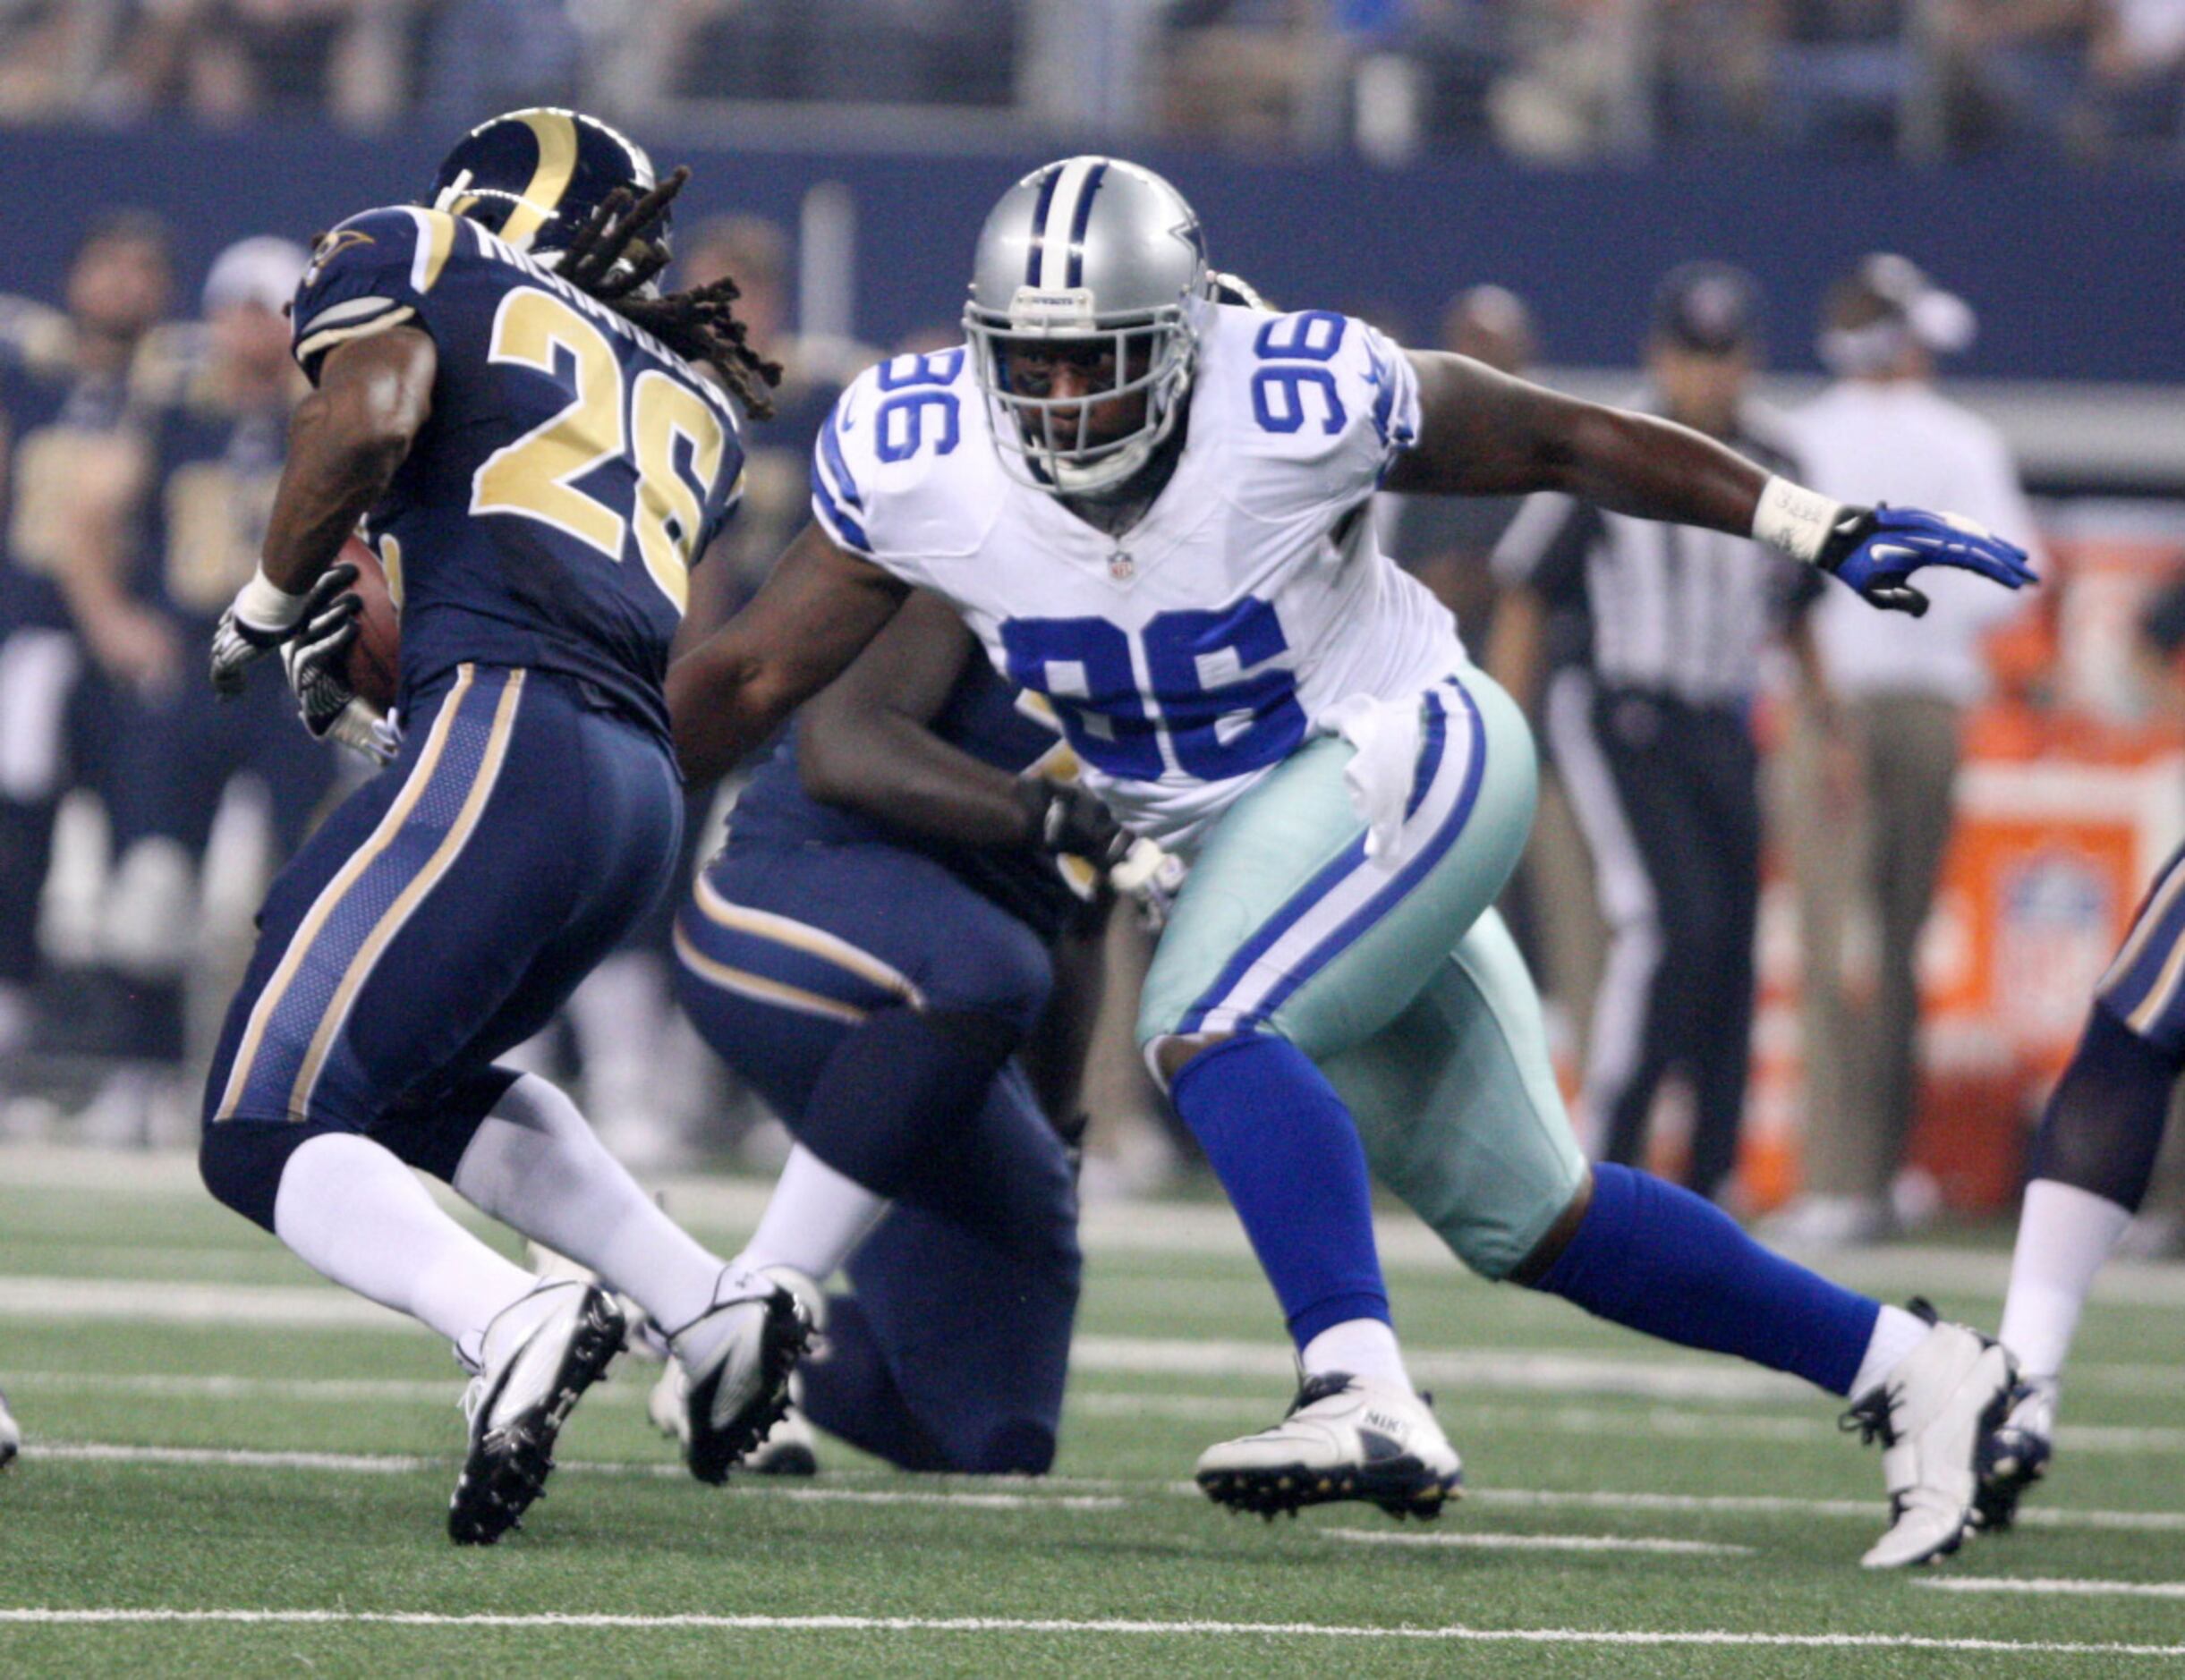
(1402, 985)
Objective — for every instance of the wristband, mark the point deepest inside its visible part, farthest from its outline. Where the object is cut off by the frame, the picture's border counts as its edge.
(1795, 521)
(262, 606)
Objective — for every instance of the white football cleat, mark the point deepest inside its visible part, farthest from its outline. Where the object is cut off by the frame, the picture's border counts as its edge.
(537, 1357)
(1930, 1415)
(10, 1437)
(1344, 1438)
(736, 1390)
(2015, 1456)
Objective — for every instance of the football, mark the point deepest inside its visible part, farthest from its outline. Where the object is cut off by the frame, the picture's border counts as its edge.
(375, 656)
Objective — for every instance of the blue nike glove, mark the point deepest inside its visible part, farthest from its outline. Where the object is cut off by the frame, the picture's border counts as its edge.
(1876, 549)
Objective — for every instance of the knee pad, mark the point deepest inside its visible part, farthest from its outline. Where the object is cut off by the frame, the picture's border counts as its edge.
(432, 1131)
(241, 1162)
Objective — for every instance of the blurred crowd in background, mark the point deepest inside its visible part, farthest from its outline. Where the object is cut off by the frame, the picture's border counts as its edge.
(1557, 80)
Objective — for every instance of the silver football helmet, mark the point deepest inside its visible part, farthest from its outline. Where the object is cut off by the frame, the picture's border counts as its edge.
(1084, 249)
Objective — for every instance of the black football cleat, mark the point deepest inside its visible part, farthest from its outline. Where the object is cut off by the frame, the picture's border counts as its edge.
(530, 1378)
(738, 1391)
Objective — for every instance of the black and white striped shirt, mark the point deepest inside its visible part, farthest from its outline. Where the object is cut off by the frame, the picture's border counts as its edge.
(1669, 609)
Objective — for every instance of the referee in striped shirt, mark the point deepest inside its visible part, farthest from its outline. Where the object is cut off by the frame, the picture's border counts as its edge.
(1650, 637)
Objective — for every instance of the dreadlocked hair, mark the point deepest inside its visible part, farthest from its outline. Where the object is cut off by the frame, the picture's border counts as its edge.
(613, 256)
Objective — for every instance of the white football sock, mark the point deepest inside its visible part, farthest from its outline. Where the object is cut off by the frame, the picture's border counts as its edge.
(814, 1220)
(1896, 1333)
(1365, 1347)
(354, 1213)
(2064, 1234)
(536, 1166)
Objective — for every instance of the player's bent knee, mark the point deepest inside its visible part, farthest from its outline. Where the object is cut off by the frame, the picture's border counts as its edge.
(1534, 1263)
(2103, 1125)
(241, 1162)
(1168, 1054)
(1009, 980)
(1503, 1248)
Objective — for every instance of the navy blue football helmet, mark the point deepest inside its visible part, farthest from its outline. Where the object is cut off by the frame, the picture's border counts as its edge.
(535, 177)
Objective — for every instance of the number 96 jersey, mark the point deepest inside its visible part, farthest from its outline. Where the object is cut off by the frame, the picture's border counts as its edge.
(1193, 652)
(572, 468)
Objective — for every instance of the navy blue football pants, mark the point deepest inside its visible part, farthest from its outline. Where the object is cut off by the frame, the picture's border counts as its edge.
(437, 918)
(952, 1351)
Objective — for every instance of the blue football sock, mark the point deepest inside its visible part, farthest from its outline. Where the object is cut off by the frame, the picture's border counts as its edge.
(1657, 1259)
(1285, 1148)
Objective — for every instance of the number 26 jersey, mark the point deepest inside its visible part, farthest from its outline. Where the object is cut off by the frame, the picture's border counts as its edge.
(572, 468)
(1189, 655)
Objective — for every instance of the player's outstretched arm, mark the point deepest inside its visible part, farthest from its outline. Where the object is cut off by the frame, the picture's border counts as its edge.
(811, 617)
(345, 442)
(1483, 433)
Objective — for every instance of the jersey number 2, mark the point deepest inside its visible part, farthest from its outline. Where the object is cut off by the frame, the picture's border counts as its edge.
(535, 476)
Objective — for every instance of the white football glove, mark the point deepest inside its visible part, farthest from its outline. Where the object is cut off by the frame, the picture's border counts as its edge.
(259, 619)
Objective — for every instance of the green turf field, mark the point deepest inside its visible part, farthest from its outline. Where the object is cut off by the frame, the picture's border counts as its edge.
(233, 1469)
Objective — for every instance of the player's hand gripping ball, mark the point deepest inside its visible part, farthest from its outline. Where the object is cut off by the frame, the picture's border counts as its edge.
(375, 656)
(342, 658)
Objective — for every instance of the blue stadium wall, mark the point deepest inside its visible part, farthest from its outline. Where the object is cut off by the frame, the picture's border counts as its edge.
(2077, 275)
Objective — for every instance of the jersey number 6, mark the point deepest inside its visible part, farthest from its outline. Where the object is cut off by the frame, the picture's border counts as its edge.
(535, 476)
(1214, 730)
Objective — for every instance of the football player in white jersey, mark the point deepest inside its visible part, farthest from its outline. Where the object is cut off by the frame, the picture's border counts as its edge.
(1151, 506)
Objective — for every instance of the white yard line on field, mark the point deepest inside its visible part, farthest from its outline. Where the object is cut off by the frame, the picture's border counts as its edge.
(1088, 1493)
(1676, 1376)
(1133, 1227)
(400, 1464)
(2053, 1587)
(1811, 1430)
(1475, 1540)
(1774, 1505)
(1453, 1635)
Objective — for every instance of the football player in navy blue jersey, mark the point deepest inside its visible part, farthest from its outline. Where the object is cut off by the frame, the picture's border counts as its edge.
(518, 418)
(874, 951)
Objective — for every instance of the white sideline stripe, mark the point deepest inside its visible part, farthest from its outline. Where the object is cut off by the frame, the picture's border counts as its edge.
(1774, 1505)
(1129, 1226)
(1135, 1226)
(1538, 1543)
(401, 1463)
(1568, 1419)
(1453, 1635)
(1807, 1429)
(1522, 1369)
(2058, 1587)
(1076, 1493)
(1514, 1369)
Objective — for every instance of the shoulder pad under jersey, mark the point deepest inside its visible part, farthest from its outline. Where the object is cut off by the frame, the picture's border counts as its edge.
(898, 469)
(370, 272)
(1316, 406)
